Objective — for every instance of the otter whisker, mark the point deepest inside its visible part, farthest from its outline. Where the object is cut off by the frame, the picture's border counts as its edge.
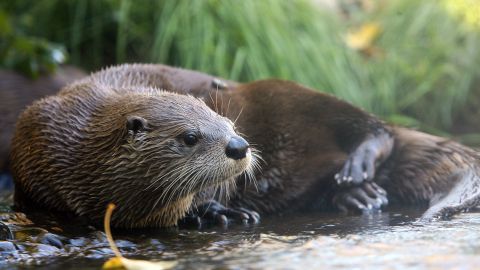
(187, 181)
(254, 168)
(162, 177)
(170, 188)
(250, 175)
(228, 107)
(179, 183)
(216, 100)
(165, 177)
(238, 116)
(189, 186)
(211, 98)
(225, 191)
(221, 109)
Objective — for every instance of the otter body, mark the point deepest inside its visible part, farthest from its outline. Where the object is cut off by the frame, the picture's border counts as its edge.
(317, 152)
(321, 152)
(146, 150)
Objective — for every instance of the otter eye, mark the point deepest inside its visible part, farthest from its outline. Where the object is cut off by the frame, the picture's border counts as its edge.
(190, 139)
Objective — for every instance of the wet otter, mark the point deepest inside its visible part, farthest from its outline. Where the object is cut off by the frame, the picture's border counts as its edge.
(17, 91)
(322, 152)
(318, 151)
(144, 149)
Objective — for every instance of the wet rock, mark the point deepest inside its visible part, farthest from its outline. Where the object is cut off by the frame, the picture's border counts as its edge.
(6, 247)
(5, 232)
(51, 239)
(43, 250)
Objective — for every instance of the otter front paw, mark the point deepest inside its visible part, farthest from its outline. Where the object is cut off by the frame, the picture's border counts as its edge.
(365, 198)
(362, 162)
(212, 212)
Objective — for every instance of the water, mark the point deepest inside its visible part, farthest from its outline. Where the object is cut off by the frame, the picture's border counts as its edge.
(388, 240)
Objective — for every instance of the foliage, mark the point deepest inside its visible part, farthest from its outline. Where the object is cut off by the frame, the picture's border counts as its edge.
(421, 63)
(29, 55)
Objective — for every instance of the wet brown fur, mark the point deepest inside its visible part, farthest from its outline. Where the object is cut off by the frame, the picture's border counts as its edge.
(304, 138)
(73, 152)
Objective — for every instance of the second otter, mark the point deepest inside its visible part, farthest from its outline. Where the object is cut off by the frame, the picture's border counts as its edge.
(321, 152)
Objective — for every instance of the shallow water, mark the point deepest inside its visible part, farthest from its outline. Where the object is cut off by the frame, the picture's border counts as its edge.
(388, 240)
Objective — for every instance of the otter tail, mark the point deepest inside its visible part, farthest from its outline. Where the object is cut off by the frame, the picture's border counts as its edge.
(428, 169)
(464, 196)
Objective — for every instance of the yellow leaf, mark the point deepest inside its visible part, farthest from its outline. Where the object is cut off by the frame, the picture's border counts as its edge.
(128, 264)
(363, 38)
(119, 262)
(113, 263)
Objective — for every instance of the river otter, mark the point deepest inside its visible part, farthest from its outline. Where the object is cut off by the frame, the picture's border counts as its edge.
(318, 151)
(322, 152)
(17, 91)
(144, 149)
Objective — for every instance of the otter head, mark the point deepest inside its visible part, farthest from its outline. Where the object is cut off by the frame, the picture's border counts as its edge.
(168, 147)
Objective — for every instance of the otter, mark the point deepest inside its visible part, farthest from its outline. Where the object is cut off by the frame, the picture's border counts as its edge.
(18, 91)
(317, 152)
(321, 152)
(146, 150)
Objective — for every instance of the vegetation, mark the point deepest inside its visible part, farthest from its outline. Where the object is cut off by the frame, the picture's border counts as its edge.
(29, 55)
(417, 65)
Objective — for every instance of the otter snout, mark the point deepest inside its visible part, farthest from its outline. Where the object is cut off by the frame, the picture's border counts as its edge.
(237, 148)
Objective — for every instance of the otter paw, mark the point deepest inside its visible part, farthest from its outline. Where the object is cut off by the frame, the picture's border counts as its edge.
(359, 167)
(215, 213)
(362, 162)
(366, 198)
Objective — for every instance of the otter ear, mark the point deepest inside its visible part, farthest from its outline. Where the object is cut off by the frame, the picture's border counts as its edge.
(136, 123)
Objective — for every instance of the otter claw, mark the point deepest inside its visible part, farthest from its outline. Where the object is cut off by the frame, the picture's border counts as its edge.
(190, 221)
(356, 168)
(362, 162)
(244, 215)
(366, 198)
(213, 212)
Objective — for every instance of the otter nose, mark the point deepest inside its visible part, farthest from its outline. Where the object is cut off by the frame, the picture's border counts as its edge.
(237, 148)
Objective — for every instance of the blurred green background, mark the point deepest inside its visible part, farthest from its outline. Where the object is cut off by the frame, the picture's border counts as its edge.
(415, 63)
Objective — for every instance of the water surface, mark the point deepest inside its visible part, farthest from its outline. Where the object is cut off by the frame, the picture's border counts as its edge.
(388, 240)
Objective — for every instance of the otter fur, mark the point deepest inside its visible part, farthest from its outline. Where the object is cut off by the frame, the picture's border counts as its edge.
(103, 141)
(18, 91)
(317, 151)
(321, 152)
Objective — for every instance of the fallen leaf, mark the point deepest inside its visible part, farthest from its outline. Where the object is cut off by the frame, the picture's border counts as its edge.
(119, 262)
(129, 264)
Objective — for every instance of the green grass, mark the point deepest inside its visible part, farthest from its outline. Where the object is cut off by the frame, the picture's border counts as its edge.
(424, 75)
